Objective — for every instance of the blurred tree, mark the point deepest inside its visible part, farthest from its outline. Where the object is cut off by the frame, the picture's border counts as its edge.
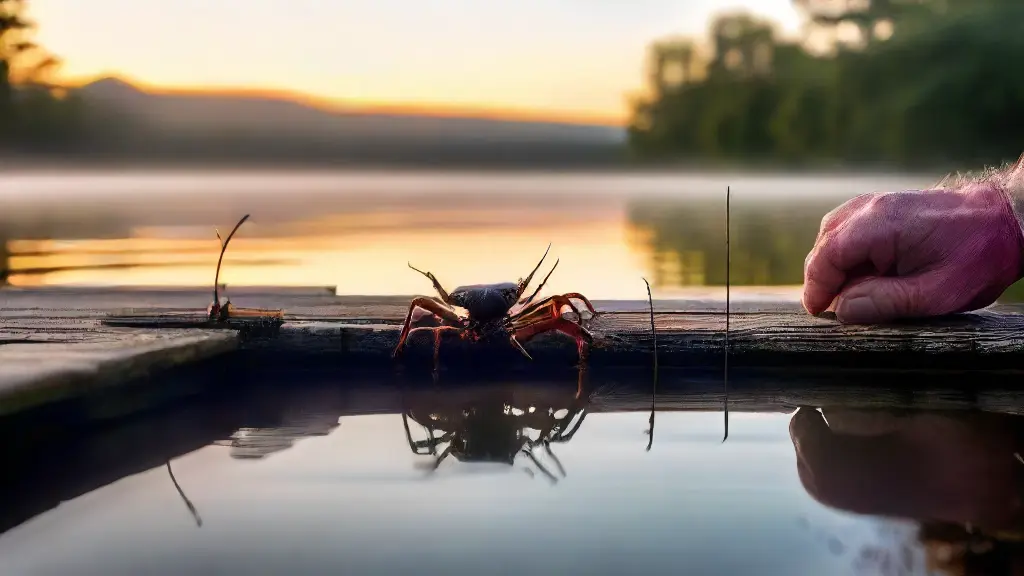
(935, 89)
(34, 112)
(743, 45)
(872, 20)
(12, 27)
(718, 104)
(673, 64)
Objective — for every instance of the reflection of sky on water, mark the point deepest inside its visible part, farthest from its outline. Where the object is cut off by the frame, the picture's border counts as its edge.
(358, 231)
(352, 501)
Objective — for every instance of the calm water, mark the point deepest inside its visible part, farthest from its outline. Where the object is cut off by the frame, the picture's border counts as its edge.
(321, 478)
(357, 231)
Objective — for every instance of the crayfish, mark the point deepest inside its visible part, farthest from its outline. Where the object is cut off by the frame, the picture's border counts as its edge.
(489, 313)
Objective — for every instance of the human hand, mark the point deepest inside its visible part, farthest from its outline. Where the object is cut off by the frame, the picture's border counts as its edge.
(883, 256)
(928, 466)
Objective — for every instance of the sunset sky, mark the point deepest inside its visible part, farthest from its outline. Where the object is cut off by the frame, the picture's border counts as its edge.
(551, 57)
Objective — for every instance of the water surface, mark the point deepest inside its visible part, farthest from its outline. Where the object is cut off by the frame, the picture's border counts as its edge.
(358, 230)
(317, 478)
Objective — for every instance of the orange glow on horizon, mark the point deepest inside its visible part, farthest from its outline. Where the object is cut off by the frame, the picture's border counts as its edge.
(360, 106)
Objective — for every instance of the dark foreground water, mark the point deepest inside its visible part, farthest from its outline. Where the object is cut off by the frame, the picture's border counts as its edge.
(322, 477)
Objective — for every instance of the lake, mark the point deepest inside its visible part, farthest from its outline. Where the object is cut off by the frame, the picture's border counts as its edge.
(313, 470)
(357, 231)
(327, 474)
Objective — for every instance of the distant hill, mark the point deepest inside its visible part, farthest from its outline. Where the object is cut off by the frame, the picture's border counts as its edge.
(197, 112)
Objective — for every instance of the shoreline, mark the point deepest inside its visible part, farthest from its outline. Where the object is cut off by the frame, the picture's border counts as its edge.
(33, 167)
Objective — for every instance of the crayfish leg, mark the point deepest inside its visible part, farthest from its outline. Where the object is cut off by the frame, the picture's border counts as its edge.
(437, 284)
(581, 298)
(437, 331)
(431, 305)
(557, 324)
(519, 347)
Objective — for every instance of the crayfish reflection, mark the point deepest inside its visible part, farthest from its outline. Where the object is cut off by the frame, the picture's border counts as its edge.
(496, 425)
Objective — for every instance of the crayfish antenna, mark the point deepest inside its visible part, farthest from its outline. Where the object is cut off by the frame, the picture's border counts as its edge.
(215, 308)
(519, 347)
(542, 283)
(524, 283)
(654, 386)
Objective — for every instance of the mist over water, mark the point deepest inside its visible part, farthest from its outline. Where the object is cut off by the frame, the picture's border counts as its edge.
(357, 230)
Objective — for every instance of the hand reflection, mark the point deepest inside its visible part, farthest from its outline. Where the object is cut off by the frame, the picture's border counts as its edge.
(928, 466)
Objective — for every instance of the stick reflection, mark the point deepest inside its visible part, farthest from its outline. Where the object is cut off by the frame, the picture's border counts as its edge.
(654, 385)
(188, 503)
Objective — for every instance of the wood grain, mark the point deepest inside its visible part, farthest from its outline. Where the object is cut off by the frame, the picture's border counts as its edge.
(764, 334)
(363, 329)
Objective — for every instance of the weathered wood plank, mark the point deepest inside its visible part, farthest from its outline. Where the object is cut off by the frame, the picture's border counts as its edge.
(691, 332)
(761, 333)
(39, 367)
(298, 304)
(977, 340)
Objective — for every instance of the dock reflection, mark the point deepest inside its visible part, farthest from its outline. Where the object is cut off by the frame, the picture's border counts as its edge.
(38, 478)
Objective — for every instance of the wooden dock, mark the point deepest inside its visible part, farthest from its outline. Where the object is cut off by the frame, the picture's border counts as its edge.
(61, 342)
(690, 333)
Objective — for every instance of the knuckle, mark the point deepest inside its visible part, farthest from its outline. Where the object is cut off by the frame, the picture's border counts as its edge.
(892, 205)
(842, 212)
(827, 221)
(824, 252)
(810, 260)
(884, 202)
(827, 243)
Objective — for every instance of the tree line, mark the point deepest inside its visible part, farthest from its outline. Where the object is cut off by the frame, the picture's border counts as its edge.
(36, 114)
(900, 82)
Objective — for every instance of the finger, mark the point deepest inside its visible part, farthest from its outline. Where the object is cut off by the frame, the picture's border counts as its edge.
(884, 299)
(810, 435)
(861, 474)
(864, 240)
(806, 427)
(813, 443)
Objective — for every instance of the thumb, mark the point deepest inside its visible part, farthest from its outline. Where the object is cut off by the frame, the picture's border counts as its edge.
(882, 299)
